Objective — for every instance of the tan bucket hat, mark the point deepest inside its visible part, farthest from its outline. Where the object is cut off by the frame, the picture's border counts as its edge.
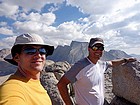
(27, 39)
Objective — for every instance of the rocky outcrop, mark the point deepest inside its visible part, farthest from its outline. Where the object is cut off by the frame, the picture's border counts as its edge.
(50, 77)
(108, 85)
(126, 82)
(58, 68)
(49, 81)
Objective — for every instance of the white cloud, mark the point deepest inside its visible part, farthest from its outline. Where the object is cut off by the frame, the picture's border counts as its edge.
(63, 34)
(28, 26)
(27, 5)
(10, 40)
(35, 22)
(6, 31)
(7, 9)
(101, 7)
(45, 18)
(93, 6)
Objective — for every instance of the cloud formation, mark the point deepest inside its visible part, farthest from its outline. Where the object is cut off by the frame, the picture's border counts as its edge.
(116, 21)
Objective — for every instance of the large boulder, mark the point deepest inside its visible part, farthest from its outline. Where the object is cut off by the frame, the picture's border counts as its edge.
(126, 81)
(50, 77)
(49, 81)
(58, 68)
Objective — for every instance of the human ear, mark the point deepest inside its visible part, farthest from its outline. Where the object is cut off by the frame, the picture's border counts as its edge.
(16, 58)
(89, 49)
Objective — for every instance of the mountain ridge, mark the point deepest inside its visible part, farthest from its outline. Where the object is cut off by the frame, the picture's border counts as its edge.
(76, 51)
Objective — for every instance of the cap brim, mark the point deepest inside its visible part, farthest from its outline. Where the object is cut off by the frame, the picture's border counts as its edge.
(98, 42)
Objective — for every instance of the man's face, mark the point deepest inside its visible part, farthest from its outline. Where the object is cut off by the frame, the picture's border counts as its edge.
(32, 58)
(96, 51)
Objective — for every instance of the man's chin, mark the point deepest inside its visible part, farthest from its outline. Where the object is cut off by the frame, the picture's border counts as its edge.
(37, 68)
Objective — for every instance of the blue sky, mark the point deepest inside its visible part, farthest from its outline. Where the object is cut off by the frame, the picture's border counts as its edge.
(59, 22)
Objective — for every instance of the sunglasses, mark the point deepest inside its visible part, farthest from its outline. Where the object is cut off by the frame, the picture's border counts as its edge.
(95, 48)
(31, 51)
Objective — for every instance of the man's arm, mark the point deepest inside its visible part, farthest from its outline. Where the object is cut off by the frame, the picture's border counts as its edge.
(121, 61)
(63, 89)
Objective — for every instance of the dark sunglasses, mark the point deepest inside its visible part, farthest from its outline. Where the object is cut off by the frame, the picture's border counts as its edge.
(95, 48)
(32, 51)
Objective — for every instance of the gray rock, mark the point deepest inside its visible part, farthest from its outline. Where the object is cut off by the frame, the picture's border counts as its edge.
(58, 68)
(49, 78)
(126, 81)
(49, 81)
(108, 85)
(120, 101)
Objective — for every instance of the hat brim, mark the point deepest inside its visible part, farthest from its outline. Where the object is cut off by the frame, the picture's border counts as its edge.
(98, 42)
(11, 61)
(50, 49)
(9, 57)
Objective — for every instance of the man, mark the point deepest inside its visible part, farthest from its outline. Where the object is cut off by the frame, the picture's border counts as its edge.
(23, 87)
(87, 76)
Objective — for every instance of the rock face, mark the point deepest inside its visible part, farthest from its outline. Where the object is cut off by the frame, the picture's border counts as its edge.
(58, 68)
(50, 77)
(49, 81)
(126, 81)
(108, 85)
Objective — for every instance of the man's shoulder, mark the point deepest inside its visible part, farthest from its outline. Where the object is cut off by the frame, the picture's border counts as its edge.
(84, 60)
(14, 81)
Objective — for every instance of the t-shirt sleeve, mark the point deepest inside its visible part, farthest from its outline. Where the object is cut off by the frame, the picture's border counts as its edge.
(11, 96)
(75, 69)
(71, 74)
